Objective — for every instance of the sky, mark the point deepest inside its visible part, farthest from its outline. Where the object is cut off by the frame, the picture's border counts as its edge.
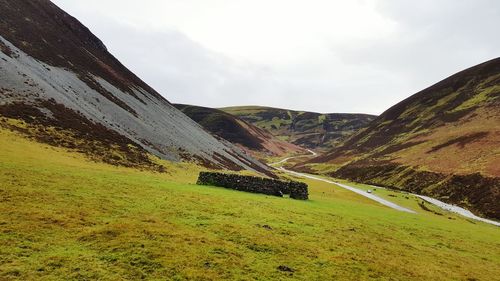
(352, 56)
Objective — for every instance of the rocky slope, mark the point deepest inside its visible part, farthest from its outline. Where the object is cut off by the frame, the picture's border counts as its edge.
(443, 141)
(250, 138)
(307, 129)
(58, 78)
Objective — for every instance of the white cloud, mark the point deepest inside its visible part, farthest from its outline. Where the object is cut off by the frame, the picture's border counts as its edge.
(319, 55)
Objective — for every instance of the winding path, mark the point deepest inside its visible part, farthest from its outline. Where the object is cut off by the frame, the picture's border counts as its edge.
(442, 205)
(456, 209)
(353, 189)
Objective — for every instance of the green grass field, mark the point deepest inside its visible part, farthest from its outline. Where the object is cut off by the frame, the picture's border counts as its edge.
(63, 217)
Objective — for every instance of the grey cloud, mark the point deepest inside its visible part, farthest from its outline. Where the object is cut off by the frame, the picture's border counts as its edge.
(186, 72)
(435, 39)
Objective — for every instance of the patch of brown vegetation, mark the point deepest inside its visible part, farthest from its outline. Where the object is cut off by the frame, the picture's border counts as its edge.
(460, 141)
(5, 49)
(397, 147)
(252, 139)
(66, 128)
(428, 111)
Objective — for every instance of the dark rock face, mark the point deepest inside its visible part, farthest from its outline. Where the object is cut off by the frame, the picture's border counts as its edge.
(297, 190)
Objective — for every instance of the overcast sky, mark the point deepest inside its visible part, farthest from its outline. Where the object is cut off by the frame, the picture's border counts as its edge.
(315, 55)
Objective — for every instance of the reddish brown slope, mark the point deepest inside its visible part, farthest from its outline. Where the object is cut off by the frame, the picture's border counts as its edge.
(317, 131)
(253, 139)
(443, 141)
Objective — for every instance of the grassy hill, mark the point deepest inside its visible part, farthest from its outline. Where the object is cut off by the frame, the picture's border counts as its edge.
(443, 141)
(255, 140)
(98, 172)
(308, 129)
(64, 216)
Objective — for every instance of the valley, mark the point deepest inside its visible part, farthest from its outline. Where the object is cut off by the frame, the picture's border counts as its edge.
(66, 217)
(99, 171)
(368, 190)
(256, 141)
(442, 142)
(310, 130)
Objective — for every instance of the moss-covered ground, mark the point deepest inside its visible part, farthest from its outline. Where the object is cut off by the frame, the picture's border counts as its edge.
(64, 217)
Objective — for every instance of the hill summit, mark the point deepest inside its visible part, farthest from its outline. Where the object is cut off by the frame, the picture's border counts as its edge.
(60, 79)
(443, 141)
(310, 130)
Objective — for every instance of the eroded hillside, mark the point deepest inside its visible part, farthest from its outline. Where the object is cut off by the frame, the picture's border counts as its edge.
(61, 80)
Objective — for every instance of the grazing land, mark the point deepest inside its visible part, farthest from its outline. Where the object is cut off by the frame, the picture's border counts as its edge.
(63, 216)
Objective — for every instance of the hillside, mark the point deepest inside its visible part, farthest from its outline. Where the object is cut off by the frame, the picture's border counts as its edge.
(307, 129)
(252, 139)
(443, 141)
(60, 79)
(64, 217)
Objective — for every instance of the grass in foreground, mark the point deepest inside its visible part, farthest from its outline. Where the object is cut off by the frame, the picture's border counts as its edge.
(64, 217)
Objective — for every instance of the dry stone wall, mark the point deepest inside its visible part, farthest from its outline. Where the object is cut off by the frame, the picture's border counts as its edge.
(296, 190)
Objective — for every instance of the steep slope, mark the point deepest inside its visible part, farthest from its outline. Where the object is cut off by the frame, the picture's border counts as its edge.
(307, 129)
(253, 139)
(443, 141)
(55, 73)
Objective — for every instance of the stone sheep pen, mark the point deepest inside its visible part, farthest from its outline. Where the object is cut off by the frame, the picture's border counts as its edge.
(297, 190)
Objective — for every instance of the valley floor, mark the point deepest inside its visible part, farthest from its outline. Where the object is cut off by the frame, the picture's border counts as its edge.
(65, 217)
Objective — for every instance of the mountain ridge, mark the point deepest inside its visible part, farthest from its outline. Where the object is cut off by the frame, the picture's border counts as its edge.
(311, 130)
(253, 139)
(50, 62)
(443, 141)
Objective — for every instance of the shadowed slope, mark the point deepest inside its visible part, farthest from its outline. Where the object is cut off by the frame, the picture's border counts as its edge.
(237, 131)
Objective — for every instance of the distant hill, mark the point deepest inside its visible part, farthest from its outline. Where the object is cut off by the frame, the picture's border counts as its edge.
(237, 131)
(443, 141)
(308, 129)
(60, 79)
